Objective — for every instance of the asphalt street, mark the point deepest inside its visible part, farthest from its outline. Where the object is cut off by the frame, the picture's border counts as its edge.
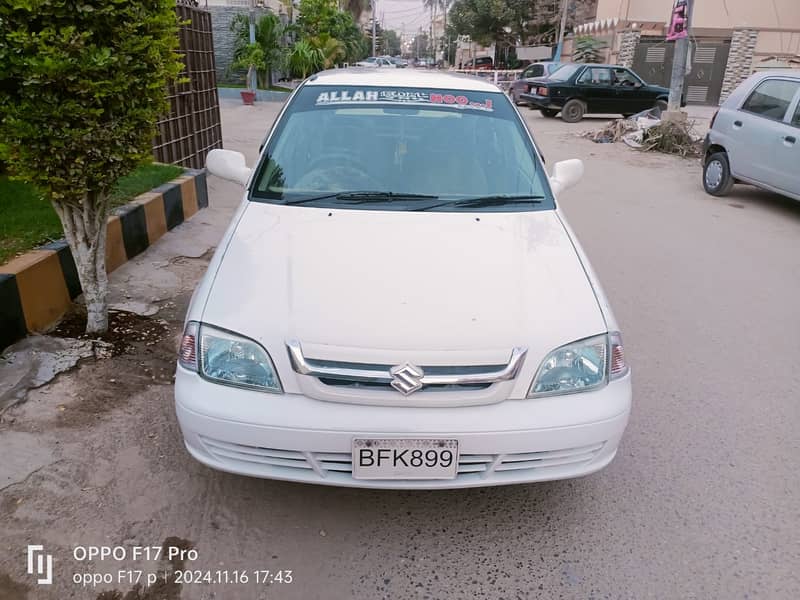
(702, 501)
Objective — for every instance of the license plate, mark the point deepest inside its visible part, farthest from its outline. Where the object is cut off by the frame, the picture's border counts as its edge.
(405, 459)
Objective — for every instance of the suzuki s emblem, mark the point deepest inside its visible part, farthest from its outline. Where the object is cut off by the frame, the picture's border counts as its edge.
(406, 378)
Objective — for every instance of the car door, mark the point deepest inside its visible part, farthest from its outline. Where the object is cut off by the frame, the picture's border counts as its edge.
(520, 86)
(594, 85)
(764, 146)
(786, 171)
(630, 92)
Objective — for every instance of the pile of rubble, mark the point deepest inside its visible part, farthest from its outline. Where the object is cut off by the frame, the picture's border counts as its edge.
(647, 131)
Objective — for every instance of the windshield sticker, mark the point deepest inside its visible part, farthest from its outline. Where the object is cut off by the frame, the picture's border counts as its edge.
(401, 96)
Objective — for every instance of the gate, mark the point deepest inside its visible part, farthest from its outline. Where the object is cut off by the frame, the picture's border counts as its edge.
(704, 83)
(192, 127)
(653, 62)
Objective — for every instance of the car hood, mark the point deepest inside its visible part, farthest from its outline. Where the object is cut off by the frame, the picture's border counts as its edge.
(426, 281)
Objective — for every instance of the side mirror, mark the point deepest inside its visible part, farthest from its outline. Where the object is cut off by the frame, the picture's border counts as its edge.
(566, 174)
(229, 165)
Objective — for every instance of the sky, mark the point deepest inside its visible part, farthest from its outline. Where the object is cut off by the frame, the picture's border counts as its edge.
(397, 14)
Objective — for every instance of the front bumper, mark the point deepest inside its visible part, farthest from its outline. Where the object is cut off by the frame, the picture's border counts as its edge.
(296, 438)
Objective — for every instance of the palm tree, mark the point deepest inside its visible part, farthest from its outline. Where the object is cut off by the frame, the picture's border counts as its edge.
(269, 37)
(331, 50)
(304, 58)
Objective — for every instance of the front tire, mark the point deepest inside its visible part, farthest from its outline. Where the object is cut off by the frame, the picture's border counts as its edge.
(550, 113)
(717, 178)
(573, 111)
(662, 105)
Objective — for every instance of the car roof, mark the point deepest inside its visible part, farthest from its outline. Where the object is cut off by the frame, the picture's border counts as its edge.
(402, 78)
(743, 89)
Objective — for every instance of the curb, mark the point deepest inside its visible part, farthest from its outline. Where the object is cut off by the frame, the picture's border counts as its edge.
(37, 288)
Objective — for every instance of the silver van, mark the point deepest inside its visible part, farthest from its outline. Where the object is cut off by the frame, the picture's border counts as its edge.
(755, 136)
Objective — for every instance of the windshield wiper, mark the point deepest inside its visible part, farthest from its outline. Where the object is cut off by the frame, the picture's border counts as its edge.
(365, 197)
(493, 200)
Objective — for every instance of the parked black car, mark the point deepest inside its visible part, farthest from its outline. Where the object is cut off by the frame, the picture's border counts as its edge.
(528, 78)
(578, 89)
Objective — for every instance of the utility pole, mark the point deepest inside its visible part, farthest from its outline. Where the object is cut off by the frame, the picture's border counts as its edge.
(374, 8)
(560, 46)
(679, 63)
(253, 83)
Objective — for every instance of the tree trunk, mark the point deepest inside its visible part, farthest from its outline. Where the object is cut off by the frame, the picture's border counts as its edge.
(269, 76)
(85, 231)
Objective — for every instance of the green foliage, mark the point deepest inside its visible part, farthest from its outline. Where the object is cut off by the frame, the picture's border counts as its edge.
(82, 85)
(270, 34)
(251, 57)
(331, 50)
(588, 50)
(322, 17)
(304, 59)
(390, 42)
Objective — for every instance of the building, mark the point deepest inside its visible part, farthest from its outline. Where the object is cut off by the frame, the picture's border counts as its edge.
(730, 40)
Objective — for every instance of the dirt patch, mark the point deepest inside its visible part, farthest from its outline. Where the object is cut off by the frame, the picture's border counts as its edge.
(143, 353)
(12, 590)
(165, 588)
(125, 330)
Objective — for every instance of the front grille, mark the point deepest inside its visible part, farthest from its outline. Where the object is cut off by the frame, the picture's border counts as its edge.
(340, 463)
(376, 385)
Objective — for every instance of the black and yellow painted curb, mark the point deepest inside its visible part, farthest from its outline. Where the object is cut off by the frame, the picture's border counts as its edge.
(37, 288)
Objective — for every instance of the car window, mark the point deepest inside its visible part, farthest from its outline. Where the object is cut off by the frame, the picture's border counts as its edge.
(447, 144)
(564, 72)
(772, 98)
(796, 118)
(536, 70)
(595, 76)
(624, 78)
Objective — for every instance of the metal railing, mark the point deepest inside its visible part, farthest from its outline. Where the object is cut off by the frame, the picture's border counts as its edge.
(500, 77)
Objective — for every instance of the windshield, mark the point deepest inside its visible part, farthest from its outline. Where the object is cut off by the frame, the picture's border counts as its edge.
(401, 149)
(564, 72)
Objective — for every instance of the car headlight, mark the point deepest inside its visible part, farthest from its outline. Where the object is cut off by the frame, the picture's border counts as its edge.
(580, 366)
(225, 357)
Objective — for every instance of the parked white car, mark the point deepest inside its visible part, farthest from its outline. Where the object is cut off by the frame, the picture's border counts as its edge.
(375, 62)
(755, 136)
(399, 302)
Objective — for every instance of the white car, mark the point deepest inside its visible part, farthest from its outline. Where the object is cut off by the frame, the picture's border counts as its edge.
(755, 136)
(375, 62)
(399, 302)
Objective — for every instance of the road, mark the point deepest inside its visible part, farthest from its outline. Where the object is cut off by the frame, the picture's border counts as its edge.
(702, 501)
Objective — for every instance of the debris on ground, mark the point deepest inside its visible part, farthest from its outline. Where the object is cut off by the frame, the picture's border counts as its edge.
(124, 329)
(647, 131)
(36, 360)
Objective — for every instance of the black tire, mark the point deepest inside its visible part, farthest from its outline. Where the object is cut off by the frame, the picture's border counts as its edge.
(717, 178)
(662, 105)
(573, 111)
(550, 113)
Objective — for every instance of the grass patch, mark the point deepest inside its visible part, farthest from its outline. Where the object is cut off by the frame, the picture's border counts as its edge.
(27, 220)
(142, 180)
